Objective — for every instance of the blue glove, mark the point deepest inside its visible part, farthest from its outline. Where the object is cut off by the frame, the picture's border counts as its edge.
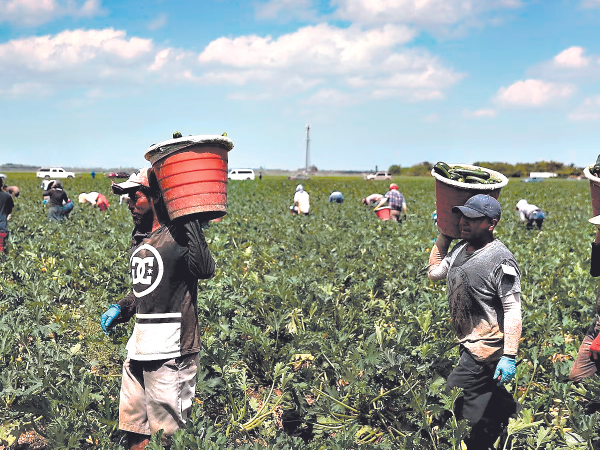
(107, 318)
(505, 368)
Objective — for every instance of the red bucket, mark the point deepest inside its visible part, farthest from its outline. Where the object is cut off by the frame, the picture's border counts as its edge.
(192, 174)
(594, 191)
(383, 213)
(450, 193)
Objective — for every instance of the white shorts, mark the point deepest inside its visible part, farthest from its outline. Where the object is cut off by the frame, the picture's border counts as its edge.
(157, 395)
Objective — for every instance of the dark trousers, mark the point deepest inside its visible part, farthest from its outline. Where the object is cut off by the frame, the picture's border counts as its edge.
(484, 404)
(538, 222)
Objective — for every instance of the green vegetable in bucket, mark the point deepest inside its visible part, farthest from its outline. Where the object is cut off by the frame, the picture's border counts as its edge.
(464, 174)
(595, 168)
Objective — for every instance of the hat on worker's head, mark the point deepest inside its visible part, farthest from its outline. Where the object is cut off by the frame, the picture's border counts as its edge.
(82, 197)
(299, 188)
(136, 180)
(480, 205)
(393, 186)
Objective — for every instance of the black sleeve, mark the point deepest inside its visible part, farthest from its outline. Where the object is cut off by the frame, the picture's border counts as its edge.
(46, 193)
(127, 304)
(200, 262)
(10, 204)
(595, 261)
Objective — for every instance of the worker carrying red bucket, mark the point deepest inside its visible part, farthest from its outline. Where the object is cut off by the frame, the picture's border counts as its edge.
(169, 204)
(394, 200)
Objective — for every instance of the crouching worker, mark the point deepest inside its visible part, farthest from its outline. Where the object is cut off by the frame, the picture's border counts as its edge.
(60, 203)
(95, 199)
(166, 260)
(530, 214)
(484, 296)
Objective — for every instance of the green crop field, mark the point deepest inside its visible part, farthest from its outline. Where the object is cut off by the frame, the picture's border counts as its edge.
(319, 332)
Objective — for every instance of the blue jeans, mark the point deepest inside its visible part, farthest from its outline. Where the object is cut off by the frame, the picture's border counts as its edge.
(537, 217)
(59, 213)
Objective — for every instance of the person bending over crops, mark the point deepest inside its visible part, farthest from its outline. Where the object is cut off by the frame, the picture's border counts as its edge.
(6, 206)
(12, 190)
(301, 201)
(484, 295)
(396, 203)
(530, 214)
(372, 200)
(60, 204)
(166, 260)
(336, 197)
(94, 199)
(587, 362)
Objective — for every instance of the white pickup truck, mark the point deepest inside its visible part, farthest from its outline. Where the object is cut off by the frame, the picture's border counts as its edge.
(54, 172)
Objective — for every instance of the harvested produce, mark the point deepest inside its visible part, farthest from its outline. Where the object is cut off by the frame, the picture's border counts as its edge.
(595, 168)
(464, 174)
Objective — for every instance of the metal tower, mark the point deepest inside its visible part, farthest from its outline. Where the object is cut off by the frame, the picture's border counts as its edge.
(307, 148)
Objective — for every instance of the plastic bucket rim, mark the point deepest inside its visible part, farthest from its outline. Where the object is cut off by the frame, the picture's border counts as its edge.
(469, 186)
(589, 176)
(156, 155)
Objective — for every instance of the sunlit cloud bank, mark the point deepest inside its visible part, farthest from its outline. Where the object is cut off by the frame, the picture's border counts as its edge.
(36, 12)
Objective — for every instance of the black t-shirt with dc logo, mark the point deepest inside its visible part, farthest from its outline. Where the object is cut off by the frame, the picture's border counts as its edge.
(165, 266)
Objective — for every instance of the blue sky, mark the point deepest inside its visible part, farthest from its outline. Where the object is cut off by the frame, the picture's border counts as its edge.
(381, 82)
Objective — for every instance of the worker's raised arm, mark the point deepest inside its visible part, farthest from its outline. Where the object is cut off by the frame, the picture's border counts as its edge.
(438, 268)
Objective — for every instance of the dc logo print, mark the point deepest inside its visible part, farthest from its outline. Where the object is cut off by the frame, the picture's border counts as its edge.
(145, 268)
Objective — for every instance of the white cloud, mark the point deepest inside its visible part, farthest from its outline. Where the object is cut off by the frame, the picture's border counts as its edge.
(74, 58)
(158, 23)
(360, 59)
(533, 93)
(24, 90)
(571, 64)
(286, 10)
(589, 110)
(36, 12)
(362, 64)
(330, 97)
(423, 13)
(590, 3)
(481, 113)
(321, 45)
(572, 58)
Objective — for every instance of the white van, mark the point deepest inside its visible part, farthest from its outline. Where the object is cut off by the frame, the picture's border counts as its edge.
(241, 174)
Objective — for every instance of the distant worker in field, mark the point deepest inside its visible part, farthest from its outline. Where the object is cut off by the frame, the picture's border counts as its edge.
(484, 288)
(46, 184)
(396, 203)
(372, 200)
(166, 260)
(434, 217)
(301, 202)
(60, 204)
(530, 214)
(336, 197)
(12, 190)
(6, 207)
(94, 199)
(587, 362)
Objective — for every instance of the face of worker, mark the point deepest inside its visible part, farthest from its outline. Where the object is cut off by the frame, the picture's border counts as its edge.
(478, 229)
(141, 209)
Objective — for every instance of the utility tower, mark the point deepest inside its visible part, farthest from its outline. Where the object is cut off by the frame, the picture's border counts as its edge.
(307, 147)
